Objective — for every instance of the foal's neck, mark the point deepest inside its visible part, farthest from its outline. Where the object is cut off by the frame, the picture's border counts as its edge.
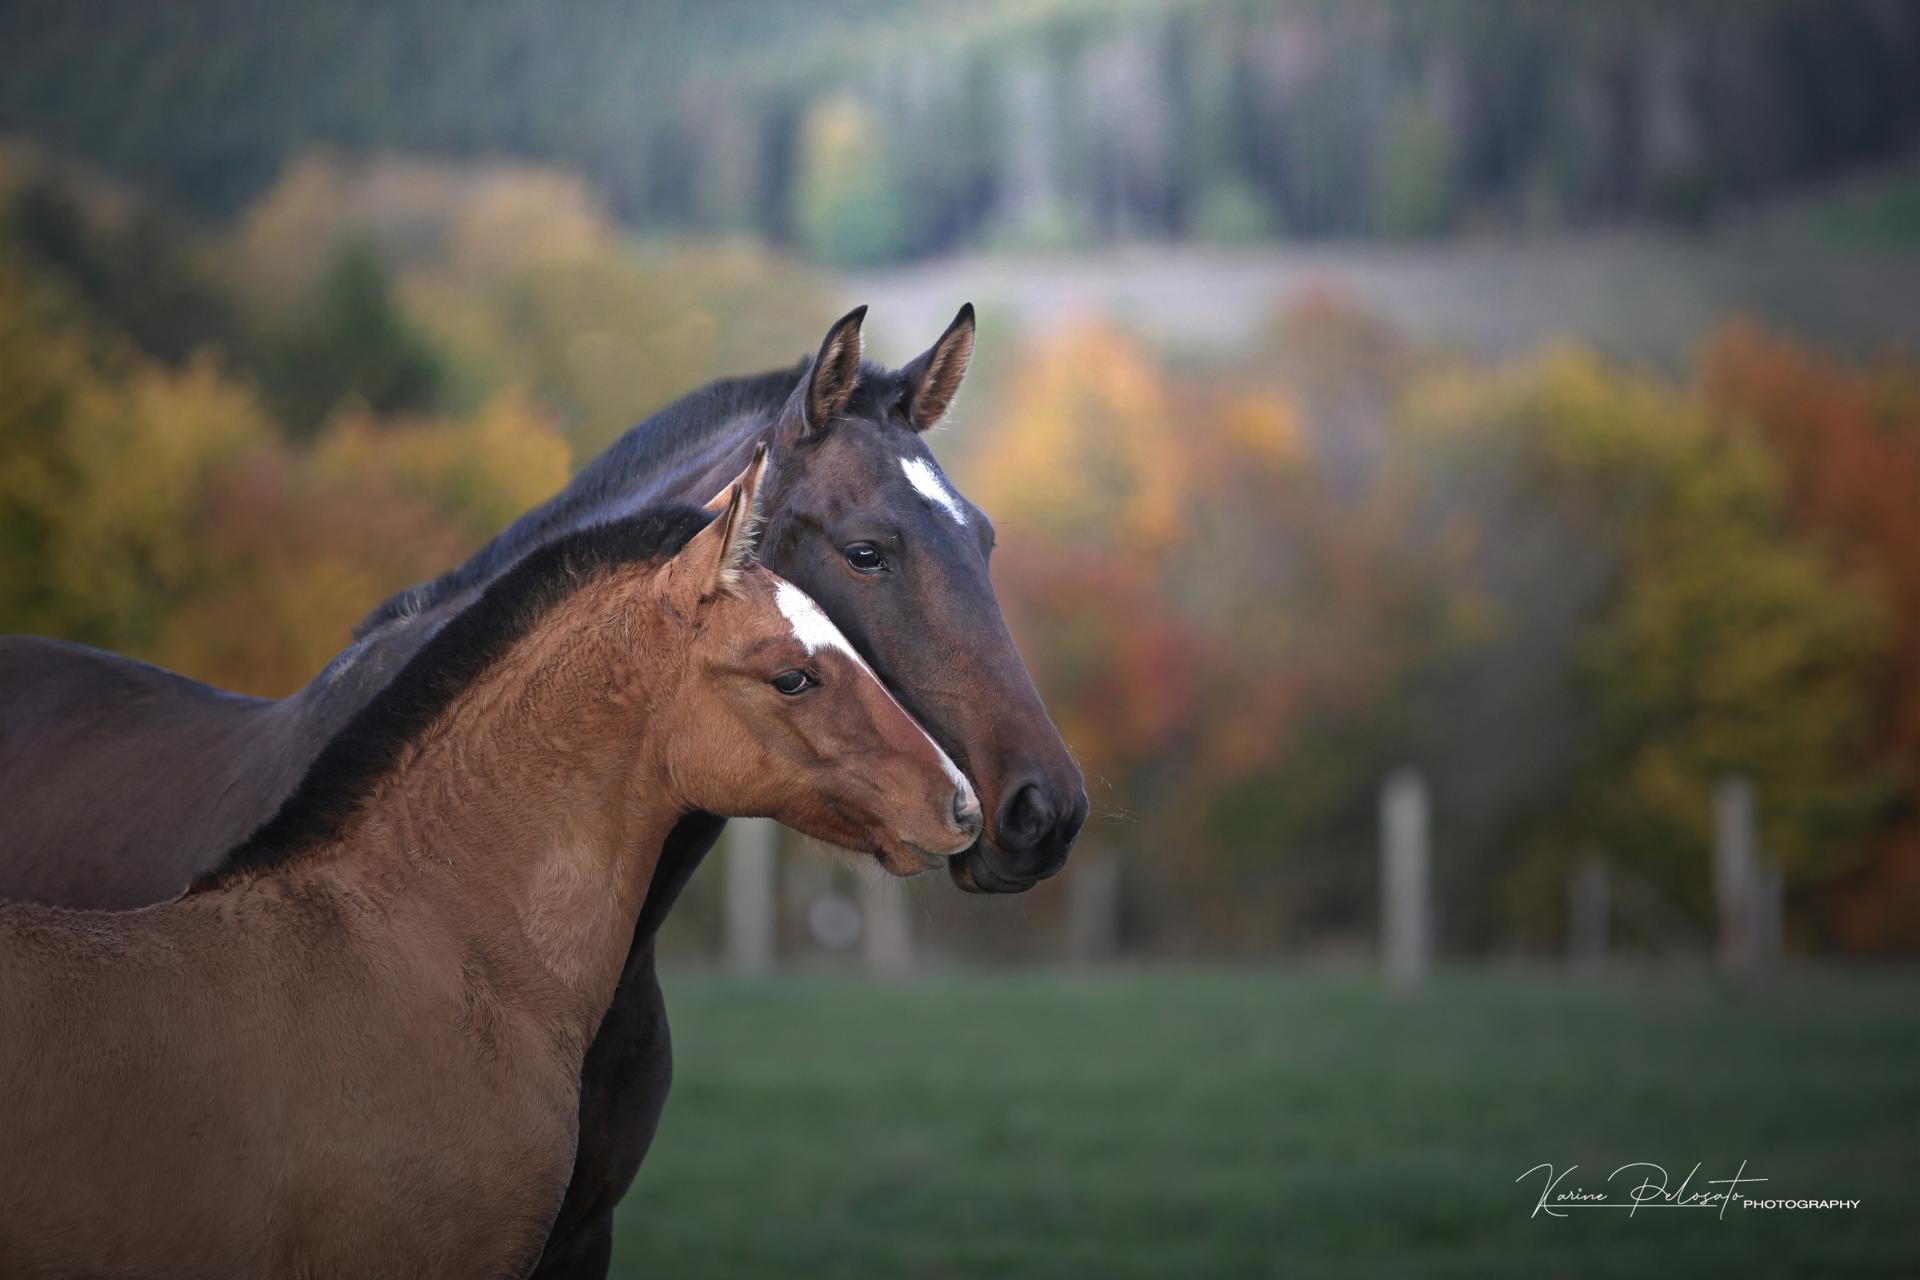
(534, 811)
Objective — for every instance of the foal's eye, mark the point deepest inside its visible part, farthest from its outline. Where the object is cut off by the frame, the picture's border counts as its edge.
(792, 682)
(866, 557)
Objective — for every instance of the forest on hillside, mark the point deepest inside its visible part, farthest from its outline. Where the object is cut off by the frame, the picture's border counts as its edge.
(873, 130)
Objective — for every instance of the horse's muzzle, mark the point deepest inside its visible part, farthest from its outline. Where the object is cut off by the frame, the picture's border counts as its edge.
(1042, 834)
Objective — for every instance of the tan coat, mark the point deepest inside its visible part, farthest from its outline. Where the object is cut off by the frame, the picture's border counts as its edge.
(365, 1059)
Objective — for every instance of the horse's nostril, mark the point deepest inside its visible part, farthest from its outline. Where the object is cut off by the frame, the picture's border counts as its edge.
(1025, 818)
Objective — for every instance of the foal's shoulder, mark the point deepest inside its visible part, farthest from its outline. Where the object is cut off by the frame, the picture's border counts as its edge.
(281, 913)
(30, 931)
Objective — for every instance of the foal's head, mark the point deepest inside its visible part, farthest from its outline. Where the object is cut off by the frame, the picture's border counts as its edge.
(776, 715)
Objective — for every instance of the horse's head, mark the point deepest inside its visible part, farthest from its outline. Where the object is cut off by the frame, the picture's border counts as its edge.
(860, 516)
(776, 714)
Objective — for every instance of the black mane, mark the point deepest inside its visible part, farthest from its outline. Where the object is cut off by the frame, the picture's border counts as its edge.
(469, 643)
(644, 450)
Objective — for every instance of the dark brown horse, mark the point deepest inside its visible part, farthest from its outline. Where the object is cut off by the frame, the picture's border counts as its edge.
(120, 782)
(356, 1049)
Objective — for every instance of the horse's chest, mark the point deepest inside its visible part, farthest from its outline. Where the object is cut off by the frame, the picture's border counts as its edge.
(451, 1163)
(471, 1191)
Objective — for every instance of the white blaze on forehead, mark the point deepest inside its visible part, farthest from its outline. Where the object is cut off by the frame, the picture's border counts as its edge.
(811, 628)
(815, 631)
(927, 483)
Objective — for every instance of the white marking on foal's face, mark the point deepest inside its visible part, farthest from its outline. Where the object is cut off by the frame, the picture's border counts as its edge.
(811, 627)
(927, 483)
(815, 631)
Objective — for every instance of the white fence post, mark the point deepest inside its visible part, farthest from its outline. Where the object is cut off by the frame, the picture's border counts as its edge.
(1093, 906)
(1768, 909)
(749, 895)
(887, 930)
(1734, 865)
(1406, 909)
(1589, 915)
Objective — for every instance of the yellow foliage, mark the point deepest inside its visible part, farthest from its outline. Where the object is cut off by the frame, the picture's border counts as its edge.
(1725, 647)
(848, 206)
(523, 217)
(282, 241)
(838, 132)
(298, 546)
(148, 457)
(1266, 427)
(483, 470)
(107, 467)
(603, 341)
(484, 221)
(517, 275)
(1087, 448)
(159, 513)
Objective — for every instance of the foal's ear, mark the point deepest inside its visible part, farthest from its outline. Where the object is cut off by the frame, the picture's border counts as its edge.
(711, 561)
(752, 473)
(829, 383)
(934, 375)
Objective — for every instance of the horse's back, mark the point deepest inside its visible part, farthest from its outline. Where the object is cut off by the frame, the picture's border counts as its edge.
(117, 779)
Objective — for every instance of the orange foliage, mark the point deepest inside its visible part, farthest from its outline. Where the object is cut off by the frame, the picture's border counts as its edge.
(1120, 669)
(1849, 439)
(1089, 447)
(296, 546)
(1185, 595)
(158, 512)
(291, 559)
(1851, 444)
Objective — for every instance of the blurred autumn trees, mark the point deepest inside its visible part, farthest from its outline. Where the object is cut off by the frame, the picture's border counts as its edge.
(216, 453)
(1217, 634)
(1687, 632)
(1573, 592)
(1848, 438)
(163, 513)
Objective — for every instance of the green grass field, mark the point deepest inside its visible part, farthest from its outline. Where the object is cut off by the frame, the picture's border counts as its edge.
(1202, 1123)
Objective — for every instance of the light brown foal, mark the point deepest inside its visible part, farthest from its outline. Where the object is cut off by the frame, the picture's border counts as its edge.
(358, 1052)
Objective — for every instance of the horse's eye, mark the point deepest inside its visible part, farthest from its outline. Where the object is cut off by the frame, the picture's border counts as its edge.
(866, 557)
(792, 682)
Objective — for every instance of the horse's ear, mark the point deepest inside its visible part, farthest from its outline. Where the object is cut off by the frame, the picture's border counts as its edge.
(934, 375)
(756, 468)
(829, 382)
(712, 560)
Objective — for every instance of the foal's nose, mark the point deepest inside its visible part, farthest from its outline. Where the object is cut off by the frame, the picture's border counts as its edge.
(966, 811)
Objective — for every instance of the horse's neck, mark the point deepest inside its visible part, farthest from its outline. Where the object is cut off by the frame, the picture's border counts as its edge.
(554, 915)
(530, 817)
(694, 474)
(328, 701)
